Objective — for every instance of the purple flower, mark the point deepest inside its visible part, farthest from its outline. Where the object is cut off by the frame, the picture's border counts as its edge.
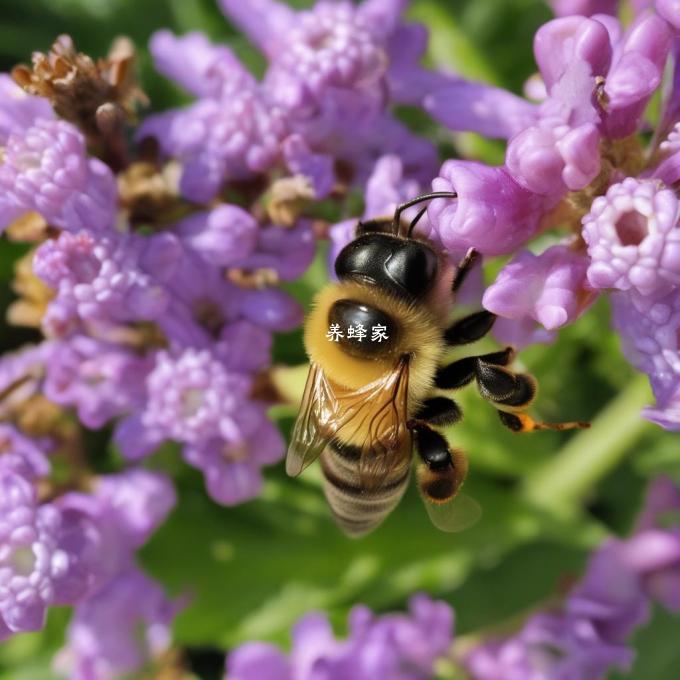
(220, 140)
(610, 594)
(612, 599)
(670, 11)
(286, 251)
(46, 170)
(243, 346)
(584, 7)
(316, 169)
(322, 51)
(232, 469)
(192, 397)
(223, 236)
(118, 630)
(329, 47)
(549, 288)
(395, 646)
(101, 380)
(649, 331)
(492, 213)
(633, 237)
(204, 69)
(18, 110)
(561, 44)
(41, 561)
(635, 74)
(560, 151)
(126, 508)
(99, 279)
(549, 647)
(473, 107)
(138, 499)
(23, 455)
(257, 660)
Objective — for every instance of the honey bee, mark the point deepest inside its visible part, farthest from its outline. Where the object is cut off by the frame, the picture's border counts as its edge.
(370, 401)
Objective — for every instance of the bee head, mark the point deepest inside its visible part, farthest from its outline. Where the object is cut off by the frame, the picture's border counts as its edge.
(405, 267)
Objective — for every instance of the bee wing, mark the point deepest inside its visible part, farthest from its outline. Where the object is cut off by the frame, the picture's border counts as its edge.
(460, 513)
(374, 418)
(316, 422)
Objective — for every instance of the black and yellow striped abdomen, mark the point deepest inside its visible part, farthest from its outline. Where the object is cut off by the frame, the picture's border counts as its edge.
(358, 510)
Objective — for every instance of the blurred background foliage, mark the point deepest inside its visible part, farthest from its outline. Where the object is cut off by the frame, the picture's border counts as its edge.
(251, 571)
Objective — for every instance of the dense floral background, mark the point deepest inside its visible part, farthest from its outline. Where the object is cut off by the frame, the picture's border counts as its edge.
(175, 178)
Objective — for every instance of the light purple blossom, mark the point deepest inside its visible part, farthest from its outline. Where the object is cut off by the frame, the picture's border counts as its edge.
(99, 379)
(560, 151)
(492, 213)
(192, 397)
(117, 631)
(204, 69)
(232, 470)
(18, 110)
(550, 288)
(633, 237)
(472, 107)
(584, 7)
(649, 328)
(126, 508)
(223, 236)
(670, 11)
(23, 455)
(587, 637)
(46, 170)
(395, 646)
(285, 251)
(549, 647)
(99, 279)
(40, 562)
(220, 140)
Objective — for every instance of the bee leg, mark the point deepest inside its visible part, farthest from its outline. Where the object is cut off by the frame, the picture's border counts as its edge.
(521, 422)
(444, 468)
(501, 386)
(439, 411)
(463, 269)
(462, 372)
(470, 328)
(511, 393)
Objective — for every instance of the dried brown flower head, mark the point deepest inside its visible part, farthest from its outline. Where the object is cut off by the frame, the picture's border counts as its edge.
(95, 96)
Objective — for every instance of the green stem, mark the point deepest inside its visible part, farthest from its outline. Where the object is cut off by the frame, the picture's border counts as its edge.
(589, 455)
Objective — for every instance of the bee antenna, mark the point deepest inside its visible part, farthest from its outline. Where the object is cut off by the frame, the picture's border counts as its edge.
(411, 226)
(425, 197)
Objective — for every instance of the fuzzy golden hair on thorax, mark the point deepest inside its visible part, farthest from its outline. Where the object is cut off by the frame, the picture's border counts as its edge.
(420, 335)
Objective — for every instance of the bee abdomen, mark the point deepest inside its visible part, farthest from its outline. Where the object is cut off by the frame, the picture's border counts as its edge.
(358, 510)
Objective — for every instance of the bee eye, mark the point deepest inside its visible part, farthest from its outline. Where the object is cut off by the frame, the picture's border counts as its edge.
(363, 331)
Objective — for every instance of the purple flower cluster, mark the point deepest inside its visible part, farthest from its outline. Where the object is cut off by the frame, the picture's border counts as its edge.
(574, 164)
(154, 275)
(588, 635)
(321, 111)
(395, 646)
(582, 640)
